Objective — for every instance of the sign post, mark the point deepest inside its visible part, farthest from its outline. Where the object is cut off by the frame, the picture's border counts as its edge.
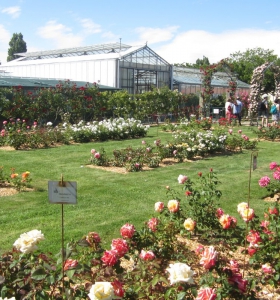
(62, 192)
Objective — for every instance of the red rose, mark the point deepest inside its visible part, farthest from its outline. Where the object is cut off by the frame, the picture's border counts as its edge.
(70, 264)
(119, 246)
(127, 231)
(110, 257)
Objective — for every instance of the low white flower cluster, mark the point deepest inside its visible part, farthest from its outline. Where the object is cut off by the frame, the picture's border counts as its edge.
(27, 242)
(200, 142)
(112, 127)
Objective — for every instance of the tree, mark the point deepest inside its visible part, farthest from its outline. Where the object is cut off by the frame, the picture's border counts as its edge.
(17, 45)
(198, 63)
(244, 64)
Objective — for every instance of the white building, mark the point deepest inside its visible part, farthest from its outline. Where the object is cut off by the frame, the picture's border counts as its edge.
(135, 69)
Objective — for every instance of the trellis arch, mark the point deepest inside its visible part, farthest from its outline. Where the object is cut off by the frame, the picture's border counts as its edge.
(257, 85)
(207, 89)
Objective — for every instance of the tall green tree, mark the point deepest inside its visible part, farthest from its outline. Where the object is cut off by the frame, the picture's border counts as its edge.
(17, 45)
(244, 64)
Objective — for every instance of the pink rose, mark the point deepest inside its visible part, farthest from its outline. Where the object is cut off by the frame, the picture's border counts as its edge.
(234, 266)
(147, 255)
(127, 231)
(273, 165)
(120, 246)
(273, 211)
(143, 142)
(182, 179)
(118, 288)
(110, 257)
(97, 155)
(230, 131)
(276, 175)
(266, 268)
(253, 237)
(239, 281)
(219, 212)
(152, 224)
(173, 206)
(92, 151)
(239, 131)
(5, 122)
(206, 294)
(199, 250)
(264, 181)
(159, 206)
(208, 257)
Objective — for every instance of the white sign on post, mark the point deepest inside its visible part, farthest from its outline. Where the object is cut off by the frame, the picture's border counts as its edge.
(216, 111)
(63, 193)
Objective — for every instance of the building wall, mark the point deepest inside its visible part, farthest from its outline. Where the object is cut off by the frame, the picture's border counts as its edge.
(100, 71)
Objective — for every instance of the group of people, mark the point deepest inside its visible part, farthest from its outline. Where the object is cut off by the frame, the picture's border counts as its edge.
(233, 110)
(264, 113)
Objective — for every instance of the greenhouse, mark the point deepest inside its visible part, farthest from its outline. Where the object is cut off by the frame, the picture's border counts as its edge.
(136, 69)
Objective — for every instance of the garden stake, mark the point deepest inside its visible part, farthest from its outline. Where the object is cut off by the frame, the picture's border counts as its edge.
(253, 163)
(62, 183)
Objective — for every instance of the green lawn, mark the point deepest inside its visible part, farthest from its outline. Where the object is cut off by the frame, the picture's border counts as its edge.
(107, 200)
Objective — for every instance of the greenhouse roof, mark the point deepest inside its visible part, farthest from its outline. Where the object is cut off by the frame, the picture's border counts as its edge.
(78, 51)
(29, 82)
(194, 77)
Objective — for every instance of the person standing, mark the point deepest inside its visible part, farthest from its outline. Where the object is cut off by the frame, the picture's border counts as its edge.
(229, 109)
(263, 111)
(237, 108)
(275, 116)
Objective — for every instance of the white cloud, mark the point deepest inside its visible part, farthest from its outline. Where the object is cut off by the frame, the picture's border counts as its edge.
(191, 45)
(155, 35)
(13, 11)
(60, 35)
(90, 27)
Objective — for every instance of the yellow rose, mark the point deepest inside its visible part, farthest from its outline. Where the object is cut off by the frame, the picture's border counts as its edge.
(189, 224)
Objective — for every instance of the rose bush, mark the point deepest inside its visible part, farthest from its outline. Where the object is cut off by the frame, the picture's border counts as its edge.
(166, 259)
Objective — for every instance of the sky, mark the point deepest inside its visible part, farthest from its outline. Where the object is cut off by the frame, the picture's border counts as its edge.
(179, 31)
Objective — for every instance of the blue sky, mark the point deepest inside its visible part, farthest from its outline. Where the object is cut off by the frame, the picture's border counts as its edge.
(178, 30)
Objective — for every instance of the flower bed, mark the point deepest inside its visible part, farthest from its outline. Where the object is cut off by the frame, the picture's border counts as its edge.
(186, 250)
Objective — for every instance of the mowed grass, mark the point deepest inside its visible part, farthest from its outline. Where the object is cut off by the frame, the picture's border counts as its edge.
(107, 200)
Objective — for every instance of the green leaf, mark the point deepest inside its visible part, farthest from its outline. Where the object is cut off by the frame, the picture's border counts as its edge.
(39, 274)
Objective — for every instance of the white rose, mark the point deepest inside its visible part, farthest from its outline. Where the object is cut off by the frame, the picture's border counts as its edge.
(25, 243)
(101, 291)
(182, 179)
(37, 235)
(180, 272)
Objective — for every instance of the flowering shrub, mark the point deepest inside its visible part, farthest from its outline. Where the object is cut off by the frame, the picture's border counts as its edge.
(268, 133)
(157, 261)
(18, 134)
(272, 185)
(19, 182)
(203, 123)
(116, 129)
